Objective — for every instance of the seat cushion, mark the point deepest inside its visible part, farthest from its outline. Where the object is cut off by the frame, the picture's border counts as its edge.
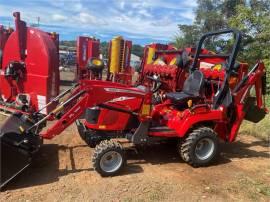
(181, 97)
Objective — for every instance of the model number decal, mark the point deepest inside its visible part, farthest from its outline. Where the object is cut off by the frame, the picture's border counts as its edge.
(119, 90)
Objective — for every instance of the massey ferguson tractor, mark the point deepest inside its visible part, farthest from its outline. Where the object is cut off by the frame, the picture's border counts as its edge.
(214, 100)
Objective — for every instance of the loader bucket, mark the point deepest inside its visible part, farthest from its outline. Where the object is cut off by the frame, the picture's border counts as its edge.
(16, 147)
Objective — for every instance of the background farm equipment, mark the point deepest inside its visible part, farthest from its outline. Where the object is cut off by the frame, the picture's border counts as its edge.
(29, 71)
(88, 50)
(90, 65)
(30, 65)
(117, 117)
(119, 69)
(166, 63)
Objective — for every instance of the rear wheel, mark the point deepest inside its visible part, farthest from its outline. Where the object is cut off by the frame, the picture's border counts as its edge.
(109, 158)
(200, 148)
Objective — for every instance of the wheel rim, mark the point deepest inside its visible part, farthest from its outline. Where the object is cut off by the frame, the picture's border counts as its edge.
(204, 148)
(111, 161)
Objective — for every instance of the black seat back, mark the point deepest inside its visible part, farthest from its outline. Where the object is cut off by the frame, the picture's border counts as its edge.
(194, 84)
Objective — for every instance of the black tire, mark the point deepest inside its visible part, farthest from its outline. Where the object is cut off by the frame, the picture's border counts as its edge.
(95, 67)
(188, 147)
(105, 148)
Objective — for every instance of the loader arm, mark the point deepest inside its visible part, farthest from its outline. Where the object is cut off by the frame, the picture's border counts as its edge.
(67, 119)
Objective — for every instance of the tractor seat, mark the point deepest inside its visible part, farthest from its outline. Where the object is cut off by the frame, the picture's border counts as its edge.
(192, 89)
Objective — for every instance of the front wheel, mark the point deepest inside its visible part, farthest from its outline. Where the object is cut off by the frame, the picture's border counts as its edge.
(109, 158)
(200, 148)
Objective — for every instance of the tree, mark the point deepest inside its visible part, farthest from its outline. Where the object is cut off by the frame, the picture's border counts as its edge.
(188, 36)
(211, 15)
(68, 43)
(229, 7)
(254, 22)
(104, 49)
(137, 50)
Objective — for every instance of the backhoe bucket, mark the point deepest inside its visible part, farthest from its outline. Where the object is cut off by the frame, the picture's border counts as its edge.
(16, 147)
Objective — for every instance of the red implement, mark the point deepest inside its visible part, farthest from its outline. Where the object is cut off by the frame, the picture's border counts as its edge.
(29, 74)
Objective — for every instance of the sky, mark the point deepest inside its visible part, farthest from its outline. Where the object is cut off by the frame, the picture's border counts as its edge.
(142, 21)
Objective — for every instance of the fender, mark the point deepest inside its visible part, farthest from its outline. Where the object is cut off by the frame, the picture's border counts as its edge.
(189, 118)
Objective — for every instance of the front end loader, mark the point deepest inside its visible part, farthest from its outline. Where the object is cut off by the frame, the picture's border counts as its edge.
(21, 135)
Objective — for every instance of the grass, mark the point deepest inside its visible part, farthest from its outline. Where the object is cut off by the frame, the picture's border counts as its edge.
(267, 101)
(260, 130)
(254, 187)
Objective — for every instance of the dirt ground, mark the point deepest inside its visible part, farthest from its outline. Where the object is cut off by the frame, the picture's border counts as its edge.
(63, 172)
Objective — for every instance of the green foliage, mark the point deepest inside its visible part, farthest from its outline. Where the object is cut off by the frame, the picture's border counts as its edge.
(68, 43)
(188, 36)
(104, 49)
(260, 130)
(211, 15)
(254, 22)
(137, 50)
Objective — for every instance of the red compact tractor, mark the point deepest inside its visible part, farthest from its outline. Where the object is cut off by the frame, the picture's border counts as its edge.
(214, 100)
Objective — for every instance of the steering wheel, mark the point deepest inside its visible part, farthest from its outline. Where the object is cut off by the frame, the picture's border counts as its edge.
(157, 81)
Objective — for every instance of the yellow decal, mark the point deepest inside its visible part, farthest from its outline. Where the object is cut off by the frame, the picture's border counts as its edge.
(150, 55)
(173, 61)
(217, 67)
(146, 109)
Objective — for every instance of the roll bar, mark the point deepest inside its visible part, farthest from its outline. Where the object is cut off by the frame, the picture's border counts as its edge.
(232, 56)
